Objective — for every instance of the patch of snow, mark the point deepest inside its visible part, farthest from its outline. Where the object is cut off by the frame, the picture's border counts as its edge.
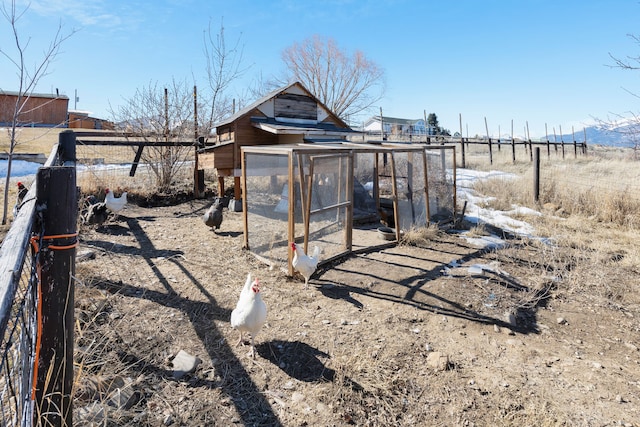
(476, 213)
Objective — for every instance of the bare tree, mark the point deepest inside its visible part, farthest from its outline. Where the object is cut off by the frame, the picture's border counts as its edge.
(159, 117)
(348, 85)
(27, 77)
(223, 67)
(627, 125)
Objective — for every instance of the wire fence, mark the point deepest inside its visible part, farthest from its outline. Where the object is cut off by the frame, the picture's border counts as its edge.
(102, 165)
(18, 286)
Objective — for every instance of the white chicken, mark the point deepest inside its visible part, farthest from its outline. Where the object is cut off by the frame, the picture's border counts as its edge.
(250, 313)
(115, 204)
(305, 264)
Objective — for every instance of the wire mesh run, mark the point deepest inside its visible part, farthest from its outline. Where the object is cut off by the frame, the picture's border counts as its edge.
(336, 196)
(18, 344)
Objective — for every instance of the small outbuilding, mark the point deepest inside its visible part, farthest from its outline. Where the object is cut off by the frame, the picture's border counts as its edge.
(288, 115)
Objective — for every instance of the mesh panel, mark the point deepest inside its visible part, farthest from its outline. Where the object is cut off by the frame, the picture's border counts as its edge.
(364, 204)
(330, 177)
(440, 172)
(409, 171)
(18, 343)
(267, 198)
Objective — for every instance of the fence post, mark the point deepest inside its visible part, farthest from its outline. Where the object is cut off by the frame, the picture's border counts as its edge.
(536, 175)
(57, 200)
(461, 142)
(490, 152)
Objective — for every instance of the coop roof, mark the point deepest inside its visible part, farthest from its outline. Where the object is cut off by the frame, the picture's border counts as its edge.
(278, 127)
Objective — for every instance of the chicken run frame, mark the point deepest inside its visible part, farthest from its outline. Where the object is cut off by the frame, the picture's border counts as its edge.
(343, 194)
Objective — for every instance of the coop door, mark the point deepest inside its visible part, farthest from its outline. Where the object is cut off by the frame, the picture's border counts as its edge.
(327, 198)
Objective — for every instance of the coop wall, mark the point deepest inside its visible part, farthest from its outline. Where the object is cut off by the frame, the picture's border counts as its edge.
(269, 214)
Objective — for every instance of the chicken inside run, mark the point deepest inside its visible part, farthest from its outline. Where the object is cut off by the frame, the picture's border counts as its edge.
(171, 307)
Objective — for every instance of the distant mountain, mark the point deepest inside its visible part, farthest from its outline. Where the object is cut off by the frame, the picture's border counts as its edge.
(625, 134)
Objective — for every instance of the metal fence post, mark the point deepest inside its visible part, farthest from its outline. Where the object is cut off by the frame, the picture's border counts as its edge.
(56, 199)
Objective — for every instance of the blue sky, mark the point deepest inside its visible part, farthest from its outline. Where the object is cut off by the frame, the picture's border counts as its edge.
(536, 61)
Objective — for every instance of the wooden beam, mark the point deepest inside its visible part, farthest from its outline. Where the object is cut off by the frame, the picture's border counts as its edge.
(136, 160)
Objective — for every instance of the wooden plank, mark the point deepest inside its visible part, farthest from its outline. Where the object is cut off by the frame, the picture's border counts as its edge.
(292, 220)
(129, 143)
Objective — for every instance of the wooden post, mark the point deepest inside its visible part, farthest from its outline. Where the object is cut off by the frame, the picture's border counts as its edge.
(561, 141)
(166, 114)
(291, 225)
(536, 175)
(529, 140)
(237, 190)
(490, 147)
(56, 194)
(546, 133)
(462, 143)
(575, 144)
(196, 174)
(220, 186)
(513, 145)
(245, 211)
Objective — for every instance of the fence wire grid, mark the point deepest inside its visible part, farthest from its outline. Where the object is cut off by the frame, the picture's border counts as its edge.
(17, 319)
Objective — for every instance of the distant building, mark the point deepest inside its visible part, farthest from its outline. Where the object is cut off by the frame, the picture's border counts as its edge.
(81, 119)
(40, 110)
(395, 126)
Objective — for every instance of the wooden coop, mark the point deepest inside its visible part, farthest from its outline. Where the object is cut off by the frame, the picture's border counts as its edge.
(289, 115)
(342, 197)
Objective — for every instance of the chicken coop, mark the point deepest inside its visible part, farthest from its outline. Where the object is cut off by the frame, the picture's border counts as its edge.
(342, 197)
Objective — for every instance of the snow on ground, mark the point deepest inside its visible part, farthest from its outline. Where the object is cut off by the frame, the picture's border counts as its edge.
(477, 213)
(19, 168)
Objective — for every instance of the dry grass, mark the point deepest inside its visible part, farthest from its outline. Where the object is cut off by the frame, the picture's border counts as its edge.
(421, 236)
(598, 187)
(591, 205)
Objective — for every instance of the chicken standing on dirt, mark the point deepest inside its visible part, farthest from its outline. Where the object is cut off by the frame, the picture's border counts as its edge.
(94, 211)
(213, 216)
(305, 264)
(250, 312)
(22, 192)
(115, 204)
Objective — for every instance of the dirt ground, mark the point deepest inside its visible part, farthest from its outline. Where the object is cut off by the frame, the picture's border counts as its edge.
(403, 336)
